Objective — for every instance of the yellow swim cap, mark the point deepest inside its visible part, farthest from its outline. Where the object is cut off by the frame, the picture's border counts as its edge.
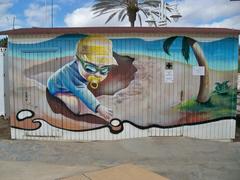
(96, 49)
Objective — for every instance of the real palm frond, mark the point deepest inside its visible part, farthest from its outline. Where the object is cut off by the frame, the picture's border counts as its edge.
(140, 19)
(156, 13)
(144, 11)
(111, 16)
(123, 17)
(121, 13)
(122, 8)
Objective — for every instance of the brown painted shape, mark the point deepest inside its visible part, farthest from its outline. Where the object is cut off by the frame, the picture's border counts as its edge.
(194, 117)
(118, 78)
(59, 107)
(64, 123)
(24, 124)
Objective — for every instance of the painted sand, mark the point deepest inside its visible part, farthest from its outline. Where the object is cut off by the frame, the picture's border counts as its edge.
(135, 92)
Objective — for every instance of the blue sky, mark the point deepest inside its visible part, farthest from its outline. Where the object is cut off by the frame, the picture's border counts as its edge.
(34, 13)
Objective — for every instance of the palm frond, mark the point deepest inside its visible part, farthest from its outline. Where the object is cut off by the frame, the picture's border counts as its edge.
(154, 3)
(104, 12)
(144, 11)
(140, 19)
(104, 2)
(156, 13)
(147, 2)
(169, 20)
(167, 44)
(121, 14)
(107, 7)
(123, 17)
(111, 16)
(185, 48)
(120, 7)
(107, 4)
(169, 9)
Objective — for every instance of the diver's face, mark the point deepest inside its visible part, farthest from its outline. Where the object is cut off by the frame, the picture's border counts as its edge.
(88, 69)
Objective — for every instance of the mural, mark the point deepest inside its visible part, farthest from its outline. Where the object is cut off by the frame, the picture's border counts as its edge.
(88, 82)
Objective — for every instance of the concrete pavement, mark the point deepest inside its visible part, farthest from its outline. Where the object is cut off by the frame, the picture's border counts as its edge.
(173, 157)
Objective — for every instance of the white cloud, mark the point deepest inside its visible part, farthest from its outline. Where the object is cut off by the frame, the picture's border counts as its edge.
(6, 18)
(4, 6)
(84, 17)
(232, 22)
(37, 15)
(218, 13)
(205, 13)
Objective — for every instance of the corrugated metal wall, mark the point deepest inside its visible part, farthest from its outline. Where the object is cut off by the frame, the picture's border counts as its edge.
(151, 92)
(2, 106)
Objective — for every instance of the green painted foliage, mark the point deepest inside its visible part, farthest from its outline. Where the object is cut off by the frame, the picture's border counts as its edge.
(222, 102)
(167, 44)
(222, 88)
(185, 48)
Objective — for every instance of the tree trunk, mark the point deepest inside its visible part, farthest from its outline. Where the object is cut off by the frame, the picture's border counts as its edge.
(132, 13)
(203, 93)
(132, 23)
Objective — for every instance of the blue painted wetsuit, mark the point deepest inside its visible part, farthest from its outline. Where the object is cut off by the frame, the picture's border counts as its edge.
(68, 80)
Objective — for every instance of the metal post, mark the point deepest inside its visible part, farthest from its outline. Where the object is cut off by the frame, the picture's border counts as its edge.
(160, 10)
(45, 13)
(14, 22)
(52, 13)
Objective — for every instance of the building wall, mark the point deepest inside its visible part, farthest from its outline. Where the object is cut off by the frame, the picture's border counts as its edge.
(2, 106)
(152, 91)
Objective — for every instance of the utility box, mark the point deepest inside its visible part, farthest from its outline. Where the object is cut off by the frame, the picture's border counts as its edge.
(114, 83)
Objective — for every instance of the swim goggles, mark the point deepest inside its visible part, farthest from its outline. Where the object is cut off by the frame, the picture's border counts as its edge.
(92, 68)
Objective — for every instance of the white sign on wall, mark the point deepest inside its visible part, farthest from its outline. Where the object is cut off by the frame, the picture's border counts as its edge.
(168, 76)
(198, 70)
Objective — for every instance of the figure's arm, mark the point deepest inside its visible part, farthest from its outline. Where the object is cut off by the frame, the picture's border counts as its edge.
(85, 95)
(80, 90)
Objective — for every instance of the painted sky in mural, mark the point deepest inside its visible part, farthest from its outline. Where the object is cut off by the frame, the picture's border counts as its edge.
(219, 58)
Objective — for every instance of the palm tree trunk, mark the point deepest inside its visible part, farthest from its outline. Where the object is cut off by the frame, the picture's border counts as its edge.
(203, 93)
(132, 14)
(132, 23)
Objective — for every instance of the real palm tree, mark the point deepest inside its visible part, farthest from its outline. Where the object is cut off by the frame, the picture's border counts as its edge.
(123, 8)
(187, 42)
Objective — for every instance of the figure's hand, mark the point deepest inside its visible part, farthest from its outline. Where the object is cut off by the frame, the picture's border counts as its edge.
(105, 112)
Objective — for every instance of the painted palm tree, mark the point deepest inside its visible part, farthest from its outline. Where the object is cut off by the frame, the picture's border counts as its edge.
(123, 8)
(187, 42)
